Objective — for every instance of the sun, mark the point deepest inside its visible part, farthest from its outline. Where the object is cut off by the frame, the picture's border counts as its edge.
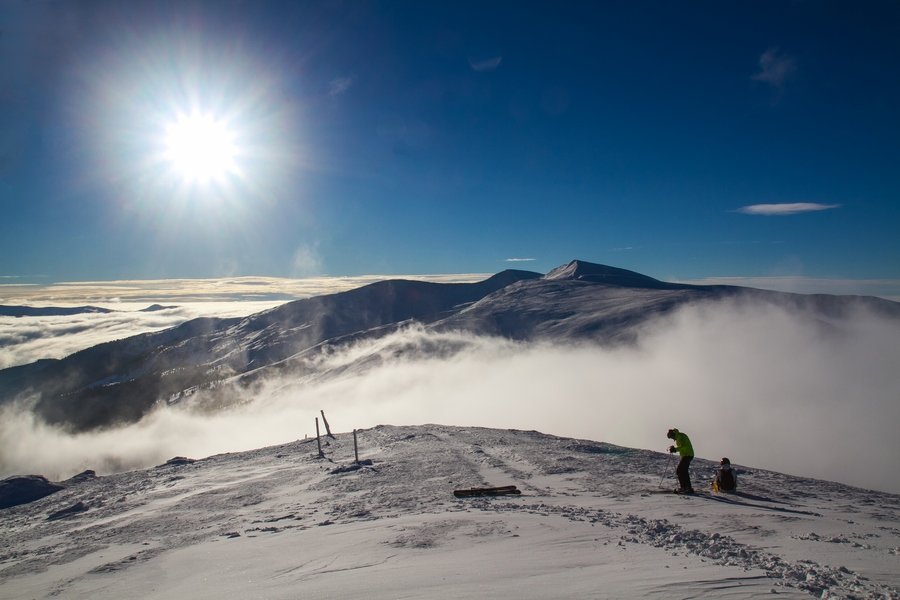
(201, 148)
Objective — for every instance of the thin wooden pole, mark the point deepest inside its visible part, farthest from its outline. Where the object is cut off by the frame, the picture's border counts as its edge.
(318, 439)
(327, 427)
(355, 447)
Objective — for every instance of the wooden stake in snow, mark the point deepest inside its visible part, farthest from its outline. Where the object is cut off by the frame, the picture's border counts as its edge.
(319, 439)
(327, 428)
(355, 447)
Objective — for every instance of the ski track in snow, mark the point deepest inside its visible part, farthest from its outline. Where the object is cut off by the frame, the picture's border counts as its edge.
(779, 534)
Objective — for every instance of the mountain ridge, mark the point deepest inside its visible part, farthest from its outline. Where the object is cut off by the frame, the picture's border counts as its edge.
(9, 310)
(121, 381)
(579, 270)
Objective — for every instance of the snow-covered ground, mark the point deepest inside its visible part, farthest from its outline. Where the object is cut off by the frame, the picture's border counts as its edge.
(592, 522)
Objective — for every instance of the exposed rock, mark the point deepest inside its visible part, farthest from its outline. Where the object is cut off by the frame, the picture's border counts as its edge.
(156, 307)
(88, 475)
(352, 467)
(23, 489)
(78, 507)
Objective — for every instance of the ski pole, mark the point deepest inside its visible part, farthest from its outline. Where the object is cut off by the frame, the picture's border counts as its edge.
(666, 470)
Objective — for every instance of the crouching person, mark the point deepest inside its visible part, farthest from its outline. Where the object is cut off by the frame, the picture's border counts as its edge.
(726, 477)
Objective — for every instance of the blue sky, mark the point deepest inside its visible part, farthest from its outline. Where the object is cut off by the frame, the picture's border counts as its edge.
(424, 137)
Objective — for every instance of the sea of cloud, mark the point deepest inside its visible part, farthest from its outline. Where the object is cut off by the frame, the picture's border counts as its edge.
(26, 339)
(756, 383)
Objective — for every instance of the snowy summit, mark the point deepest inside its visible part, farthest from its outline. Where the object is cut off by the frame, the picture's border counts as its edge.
(593, 521)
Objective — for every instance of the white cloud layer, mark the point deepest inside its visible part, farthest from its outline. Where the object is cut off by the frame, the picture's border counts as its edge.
(756, 384)
(788, 208)
(27, 339)
(110, 293)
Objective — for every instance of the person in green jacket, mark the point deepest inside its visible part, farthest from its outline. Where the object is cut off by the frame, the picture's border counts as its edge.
(686, 451)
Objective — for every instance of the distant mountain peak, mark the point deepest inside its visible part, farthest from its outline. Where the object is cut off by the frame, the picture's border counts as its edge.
(50, 311)
(580, 270)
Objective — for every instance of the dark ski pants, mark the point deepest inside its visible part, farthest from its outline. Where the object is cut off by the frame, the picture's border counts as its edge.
(684, 477)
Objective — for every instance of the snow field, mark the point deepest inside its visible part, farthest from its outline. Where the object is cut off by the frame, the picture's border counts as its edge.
(281, 523)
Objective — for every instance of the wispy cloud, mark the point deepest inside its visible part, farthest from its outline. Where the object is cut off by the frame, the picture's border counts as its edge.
(307, 260)
(340, 85)
(520, 259)
(482, 65)
(775, 68)
(788, 208)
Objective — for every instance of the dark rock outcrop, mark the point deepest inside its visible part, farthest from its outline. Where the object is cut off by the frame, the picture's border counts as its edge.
(23, 489)
(88, 475)
(78, 507)
(178, 461)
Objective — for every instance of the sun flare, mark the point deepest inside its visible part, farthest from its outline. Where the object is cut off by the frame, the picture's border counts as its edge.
(201, 148)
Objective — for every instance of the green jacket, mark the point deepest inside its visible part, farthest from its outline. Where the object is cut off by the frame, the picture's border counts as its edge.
(683, 444)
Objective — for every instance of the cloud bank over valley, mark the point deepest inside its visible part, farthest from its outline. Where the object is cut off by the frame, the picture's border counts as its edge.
(753, 382)
(25, 340)
(28, 339)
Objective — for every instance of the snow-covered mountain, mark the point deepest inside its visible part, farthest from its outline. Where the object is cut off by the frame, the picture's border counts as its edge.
(122, 381)
(592, 521)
